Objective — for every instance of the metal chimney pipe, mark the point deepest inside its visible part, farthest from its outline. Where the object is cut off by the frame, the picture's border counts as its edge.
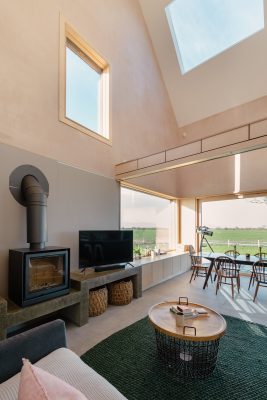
(36, 203)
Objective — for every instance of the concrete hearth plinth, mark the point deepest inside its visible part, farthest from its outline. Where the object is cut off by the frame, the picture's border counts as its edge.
(89, 279)
(71, 304)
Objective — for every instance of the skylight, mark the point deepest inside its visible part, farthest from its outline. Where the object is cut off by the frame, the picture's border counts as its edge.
(201, 29)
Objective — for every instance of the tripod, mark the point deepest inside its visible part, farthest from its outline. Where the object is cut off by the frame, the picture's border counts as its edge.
(203, 237)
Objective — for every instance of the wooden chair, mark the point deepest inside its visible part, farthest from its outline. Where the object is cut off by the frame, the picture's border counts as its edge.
(261, 255)
(227, 269)
(252, 276)
(232, 253)
(260, 275)
(199, 265)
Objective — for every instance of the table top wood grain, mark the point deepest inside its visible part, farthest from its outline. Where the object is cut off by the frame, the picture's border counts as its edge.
(209, 326)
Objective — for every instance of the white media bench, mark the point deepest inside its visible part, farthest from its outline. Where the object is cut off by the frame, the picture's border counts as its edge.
(158, 269)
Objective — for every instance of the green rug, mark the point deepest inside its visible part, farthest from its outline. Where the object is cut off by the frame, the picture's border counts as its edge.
(128, 359)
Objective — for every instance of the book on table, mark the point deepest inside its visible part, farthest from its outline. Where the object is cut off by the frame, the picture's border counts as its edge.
(191, 311)
(186, 314)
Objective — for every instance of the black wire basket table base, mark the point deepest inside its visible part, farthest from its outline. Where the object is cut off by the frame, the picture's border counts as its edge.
(187, 345)
(185, 358)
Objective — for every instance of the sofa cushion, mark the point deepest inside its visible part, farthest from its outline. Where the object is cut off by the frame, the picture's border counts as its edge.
(32, 344)
(38, 384)
(66, 365)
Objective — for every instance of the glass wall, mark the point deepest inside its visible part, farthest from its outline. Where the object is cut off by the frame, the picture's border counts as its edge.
(153, 220)
(236, 222)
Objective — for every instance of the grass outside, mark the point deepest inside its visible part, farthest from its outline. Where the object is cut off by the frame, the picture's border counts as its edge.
(237, 235)
(241, 249)
(144, 235)
(246, 240)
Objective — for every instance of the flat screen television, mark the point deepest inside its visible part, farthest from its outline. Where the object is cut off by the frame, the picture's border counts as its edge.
(103, 248)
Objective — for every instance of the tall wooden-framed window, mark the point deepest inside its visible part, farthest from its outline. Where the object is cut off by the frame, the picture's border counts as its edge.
(151, 216)
(235, 220)
(84, 85)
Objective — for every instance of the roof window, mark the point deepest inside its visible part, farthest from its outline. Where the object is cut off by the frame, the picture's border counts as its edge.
(202, 29)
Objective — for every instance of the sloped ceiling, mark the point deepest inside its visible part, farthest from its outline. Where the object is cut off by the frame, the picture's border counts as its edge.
(234, 77)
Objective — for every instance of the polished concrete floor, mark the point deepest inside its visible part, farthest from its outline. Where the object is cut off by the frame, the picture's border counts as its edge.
(80, 339)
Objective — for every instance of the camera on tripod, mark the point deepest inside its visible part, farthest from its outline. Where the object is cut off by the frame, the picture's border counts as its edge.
(204, 230)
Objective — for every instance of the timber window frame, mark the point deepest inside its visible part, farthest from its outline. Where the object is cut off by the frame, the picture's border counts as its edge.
(71, 41)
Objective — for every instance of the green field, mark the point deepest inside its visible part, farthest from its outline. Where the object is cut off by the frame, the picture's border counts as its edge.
(246, 240)
(144, 238)
(144, 235)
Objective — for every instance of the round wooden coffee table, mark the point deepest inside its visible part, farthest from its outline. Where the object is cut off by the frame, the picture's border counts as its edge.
(189, 346)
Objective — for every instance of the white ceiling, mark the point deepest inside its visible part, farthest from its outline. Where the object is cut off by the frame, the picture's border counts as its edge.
(234, 77)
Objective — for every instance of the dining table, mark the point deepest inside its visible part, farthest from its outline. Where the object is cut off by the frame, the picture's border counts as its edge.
(241, 260)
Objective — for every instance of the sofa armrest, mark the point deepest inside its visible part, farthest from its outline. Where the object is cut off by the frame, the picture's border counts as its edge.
(33, 344)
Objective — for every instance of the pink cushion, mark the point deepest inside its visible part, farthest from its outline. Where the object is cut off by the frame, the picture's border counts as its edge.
(37, 384)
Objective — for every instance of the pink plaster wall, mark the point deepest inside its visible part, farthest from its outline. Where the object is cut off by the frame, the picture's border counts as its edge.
(218, 176)
(163, 182)
(215, 177)
(224, 121)
(142, 120)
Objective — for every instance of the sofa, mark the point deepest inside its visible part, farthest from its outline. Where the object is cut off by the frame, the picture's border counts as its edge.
(45, 347)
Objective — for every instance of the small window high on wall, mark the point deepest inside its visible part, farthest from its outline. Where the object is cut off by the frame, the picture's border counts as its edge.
(153, 220)
(84, 86)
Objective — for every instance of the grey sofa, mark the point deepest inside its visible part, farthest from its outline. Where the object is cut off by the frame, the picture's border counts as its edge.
(46, 346)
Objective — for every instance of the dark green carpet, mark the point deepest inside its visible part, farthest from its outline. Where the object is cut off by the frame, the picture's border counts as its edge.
(128, 359)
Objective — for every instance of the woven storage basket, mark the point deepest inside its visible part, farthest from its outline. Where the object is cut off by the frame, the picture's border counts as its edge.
(98, 301)
(120, 293)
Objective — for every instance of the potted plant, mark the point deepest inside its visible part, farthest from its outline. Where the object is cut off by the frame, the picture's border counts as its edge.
(137, 253)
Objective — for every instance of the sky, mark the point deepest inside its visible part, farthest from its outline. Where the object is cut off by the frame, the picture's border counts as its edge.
(241, 213)
(82, 91)
(205, 28)
(145, 211)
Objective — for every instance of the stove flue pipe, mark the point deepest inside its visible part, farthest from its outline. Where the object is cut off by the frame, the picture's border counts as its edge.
(36, 203)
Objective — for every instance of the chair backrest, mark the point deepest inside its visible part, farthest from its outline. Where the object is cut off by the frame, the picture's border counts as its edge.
(261, 255)
(195, 260)
(232, 253)
(228, 266)
(260, 271)
(191, 250)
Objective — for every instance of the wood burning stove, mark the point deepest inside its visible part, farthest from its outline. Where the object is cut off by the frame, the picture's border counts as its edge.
(35, 276)
(38, 273)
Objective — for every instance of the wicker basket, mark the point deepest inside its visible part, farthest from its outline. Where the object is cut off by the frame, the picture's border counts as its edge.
(120, 293)
(98, 301)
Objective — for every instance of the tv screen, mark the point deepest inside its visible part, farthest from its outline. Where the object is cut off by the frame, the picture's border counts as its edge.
(97, 248)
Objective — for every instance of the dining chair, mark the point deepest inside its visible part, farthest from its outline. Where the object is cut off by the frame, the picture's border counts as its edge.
(227, 269)
(260, 275)
(199, 265)
(232, 253)
(252, 275)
